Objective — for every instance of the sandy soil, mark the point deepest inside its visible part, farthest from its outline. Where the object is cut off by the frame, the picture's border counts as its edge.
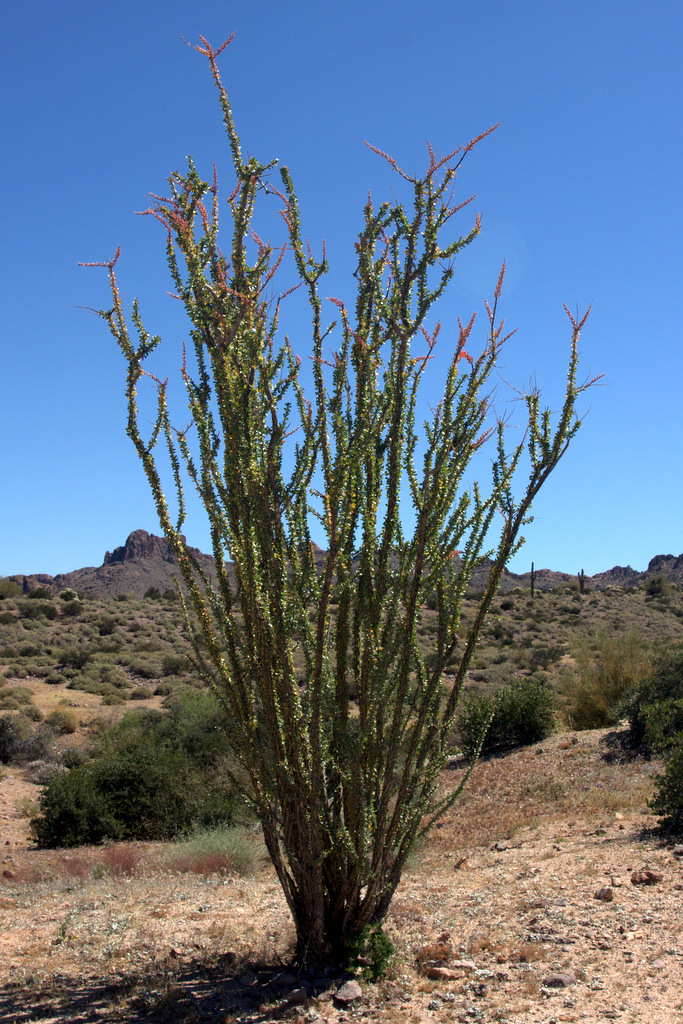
(527, 902)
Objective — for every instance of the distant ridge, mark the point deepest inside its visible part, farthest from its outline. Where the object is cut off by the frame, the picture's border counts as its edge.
(146, 560)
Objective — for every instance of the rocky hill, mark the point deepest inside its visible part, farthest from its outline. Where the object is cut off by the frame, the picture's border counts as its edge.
(146, 560)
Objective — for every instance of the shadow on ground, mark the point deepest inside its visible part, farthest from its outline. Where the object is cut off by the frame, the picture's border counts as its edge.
(193, 992)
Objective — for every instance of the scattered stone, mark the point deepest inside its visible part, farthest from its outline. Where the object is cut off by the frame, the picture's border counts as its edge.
(297, 997)
(285, 979)
(559, 979)
(678, 850)
(248, 979)
(443, 974)
(646, 877)
(461, 864)
(349, 992)
(500, 847)
(605, 894)
(617, 881)
(463, 965)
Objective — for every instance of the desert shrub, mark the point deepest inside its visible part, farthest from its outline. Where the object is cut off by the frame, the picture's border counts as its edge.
(545, 656)
(73, 657)
(55, 678)
(33, 713)
(507, 604)
(657, 586)
(141, 791)
(14, 731)
(30, 650)
(175, 665)
(91, 684)
(163, 689)
(37, 609)
(19, 742)
(654, 707)
(222, 850)
(72, 608)
(63, 720)
(8, 588)
(13, 697)
(139, 693)
(68, 595)
(112, 699)
(153, 594)
(106, 625)
(369, 952)
(606, 670)
(143, 664)
(170, 595)
(520, 713)
(668, 798)
(40, 593)
(6, 618)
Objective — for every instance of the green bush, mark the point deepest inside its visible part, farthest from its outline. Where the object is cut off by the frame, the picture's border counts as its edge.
(14, 731)
(30, 650)
(152, 776)
(668, 799)
(40, 593)
(9, 589)
(63, 720)
(55, 678)
(37, 609)
(175, 665)
(19, 742)
(72, 608)
(6, 618)
(72, 657)
(607, 669)
(521, 713)
(654, 708)
(153, 594)
(139, 793)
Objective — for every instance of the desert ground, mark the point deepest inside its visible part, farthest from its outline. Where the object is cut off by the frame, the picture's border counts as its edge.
(546, 895)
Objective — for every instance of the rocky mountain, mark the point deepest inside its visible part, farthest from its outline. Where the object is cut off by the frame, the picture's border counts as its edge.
(146, 561)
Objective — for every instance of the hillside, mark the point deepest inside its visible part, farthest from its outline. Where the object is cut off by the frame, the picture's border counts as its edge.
(146, 560)
(498, 918)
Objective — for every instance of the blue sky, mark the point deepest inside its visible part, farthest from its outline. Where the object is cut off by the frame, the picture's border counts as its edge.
(579, 189)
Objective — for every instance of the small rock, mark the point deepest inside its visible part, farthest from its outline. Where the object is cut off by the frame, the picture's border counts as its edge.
(297, 997)
(678, 850)
(285, 979)
(463, 965)
(500, 847)
(605, 894)
(248, 979)
(617, 881)
(443, 974)
(559, 979)
(461, 864)
(646, 877)
(349, 992)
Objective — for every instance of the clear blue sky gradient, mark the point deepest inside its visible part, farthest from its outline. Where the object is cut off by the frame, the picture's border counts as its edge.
(579, 189)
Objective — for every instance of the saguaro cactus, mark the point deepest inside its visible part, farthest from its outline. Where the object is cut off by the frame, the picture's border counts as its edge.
(342, 792)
